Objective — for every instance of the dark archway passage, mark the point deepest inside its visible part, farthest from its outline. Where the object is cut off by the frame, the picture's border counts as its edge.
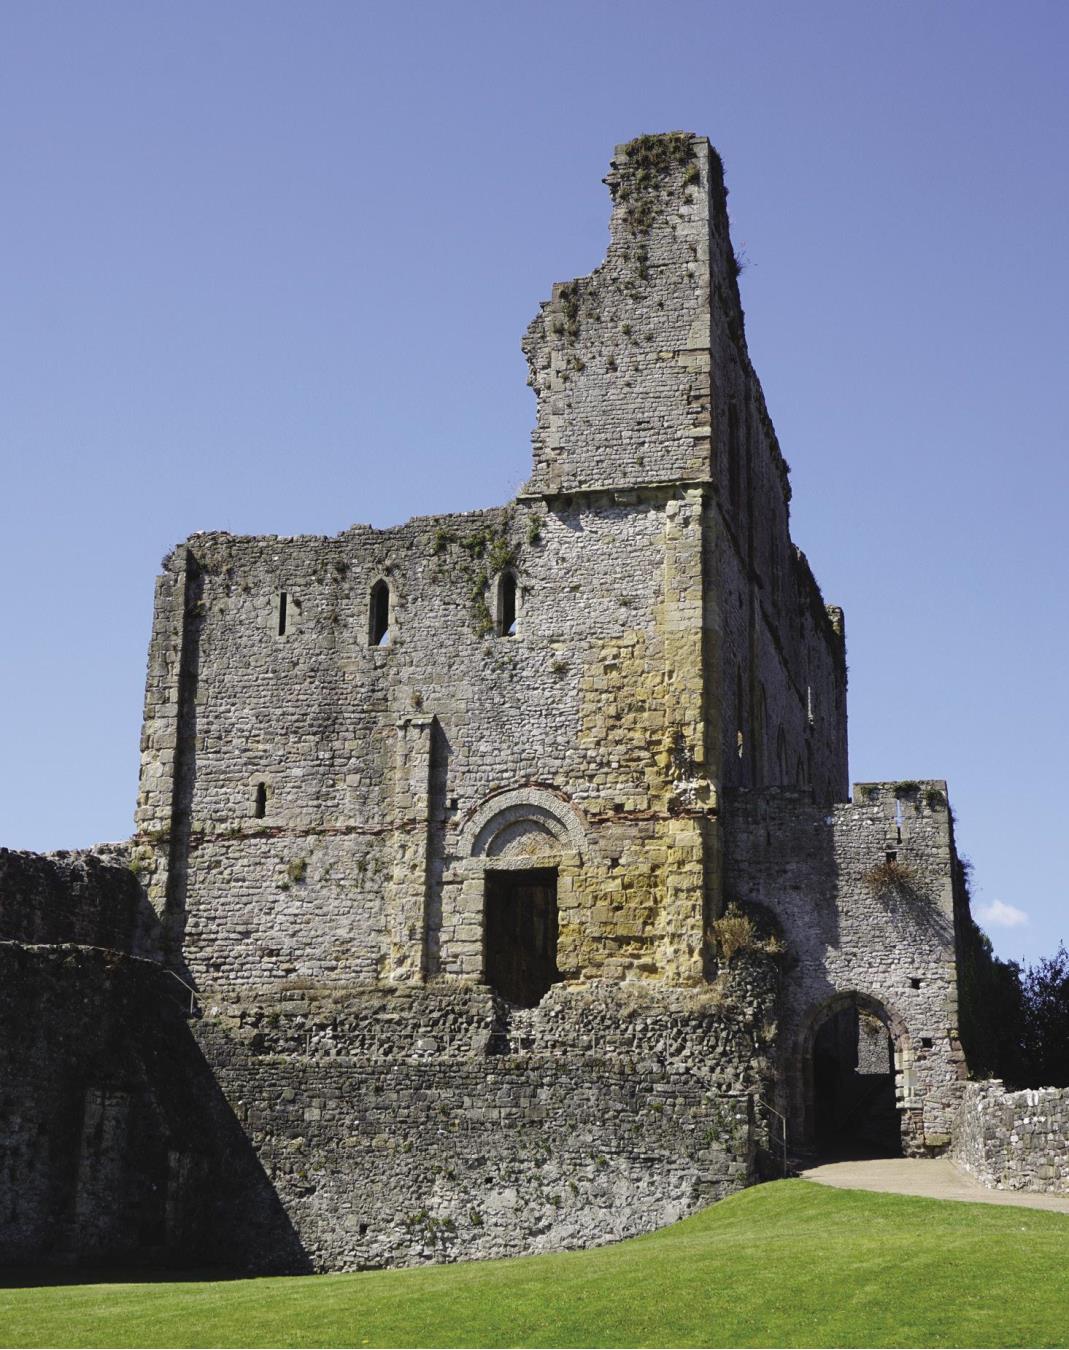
(521, 933)
(855, 1112)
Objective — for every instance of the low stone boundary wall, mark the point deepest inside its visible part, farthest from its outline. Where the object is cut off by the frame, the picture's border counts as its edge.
(1017, 1141)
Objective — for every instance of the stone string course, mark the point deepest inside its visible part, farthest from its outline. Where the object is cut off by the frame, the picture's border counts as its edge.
(1014, 1140)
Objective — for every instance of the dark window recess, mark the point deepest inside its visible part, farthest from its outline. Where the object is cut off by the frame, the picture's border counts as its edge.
(926, 1042)
(521, 934)
(914, 983)
(283, 605)
(891, 855)
(379, 631)
(506, 606)
(261, 801)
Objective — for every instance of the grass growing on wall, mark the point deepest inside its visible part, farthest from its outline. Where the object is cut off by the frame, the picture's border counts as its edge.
(787, 1264)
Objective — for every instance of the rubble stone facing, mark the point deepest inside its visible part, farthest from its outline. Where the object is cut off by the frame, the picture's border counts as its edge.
(1017, 1141)
(116, 1145)
(413, 1124)
(669, 639)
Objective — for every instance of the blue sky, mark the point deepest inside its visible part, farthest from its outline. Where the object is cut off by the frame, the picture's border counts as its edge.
(266, 267)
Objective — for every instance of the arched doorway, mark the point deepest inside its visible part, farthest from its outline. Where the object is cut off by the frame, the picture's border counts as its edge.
(520, 938)
(512, 890)
(853, 1056)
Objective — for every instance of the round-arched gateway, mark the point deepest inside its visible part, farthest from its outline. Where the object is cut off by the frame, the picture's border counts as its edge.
(852, 1098)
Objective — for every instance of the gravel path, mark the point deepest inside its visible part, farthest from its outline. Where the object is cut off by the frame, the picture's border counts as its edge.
(938, 1178)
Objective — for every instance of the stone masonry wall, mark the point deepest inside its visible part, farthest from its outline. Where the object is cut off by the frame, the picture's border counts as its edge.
(642, 376)
(336, 1129)
(1014, 1140)
(864, 893)
(324, 809)
(115, 1142)
(307, 794)
(411, 1124)
(352, 871)
(79, 897)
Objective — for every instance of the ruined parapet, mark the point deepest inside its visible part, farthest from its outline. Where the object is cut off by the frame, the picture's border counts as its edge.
(91, 897)
(620, 360)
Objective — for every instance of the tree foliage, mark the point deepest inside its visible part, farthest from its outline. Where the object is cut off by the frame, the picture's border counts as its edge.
(1045, 998)
(1014, 1020)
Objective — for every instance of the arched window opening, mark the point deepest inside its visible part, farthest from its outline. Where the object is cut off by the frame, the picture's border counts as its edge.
(379, 630)
(506, 605)
(260, 809)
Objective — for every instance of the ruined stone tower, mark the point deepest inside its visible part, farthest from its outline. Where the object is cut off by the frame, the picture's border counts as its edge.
(509, 856)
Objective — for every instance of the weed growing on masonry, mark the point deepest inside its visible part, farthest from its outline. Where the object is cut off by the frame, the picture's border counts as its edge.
(891, 876)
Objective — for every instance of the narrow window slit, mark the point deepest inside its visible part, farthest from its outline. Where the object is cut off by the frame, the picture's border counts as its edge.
(260, 809)
(506, 606)
(379, 630)
(283, 602)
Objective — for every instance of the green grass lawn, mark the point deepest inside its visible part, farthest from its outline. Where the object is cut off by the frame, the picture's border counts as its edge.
(790, 1263)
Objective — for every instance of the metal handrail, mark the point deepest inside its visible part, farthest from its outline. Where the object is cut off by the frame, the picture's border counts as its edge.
(783, 1125)
(192, 992)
